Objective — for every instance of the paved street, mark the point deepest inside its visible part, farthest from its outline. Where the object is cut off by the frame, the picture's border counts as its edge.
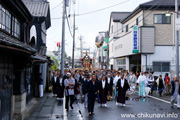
(50, 109)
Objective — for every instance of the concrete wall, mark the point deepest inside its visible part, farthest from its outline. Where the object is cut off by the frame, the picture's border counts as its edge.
(162, 54)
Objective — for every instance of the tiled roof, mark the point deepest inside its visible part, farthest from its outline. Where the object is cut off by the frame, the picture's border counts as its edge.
(119, 16)
(153, 5)
(38, 8)
(161, 2)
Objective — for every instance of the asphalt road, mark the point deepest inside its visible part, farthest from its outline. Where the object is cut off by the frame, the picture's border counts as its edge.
(135, 109)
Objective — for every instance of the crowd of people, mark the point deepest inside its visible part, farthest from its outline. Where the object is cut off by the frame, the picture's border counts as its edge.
(103, 85)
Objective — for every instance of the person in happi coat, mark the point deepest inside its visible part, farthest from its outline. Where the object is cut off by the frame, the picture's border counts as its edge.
(85, 90)
(110, 83)
(54, 83)
(60, 87)
(175, 92)
(92, 93)
(142, 82)
(69, 84)
(103, 91)
(122, 87)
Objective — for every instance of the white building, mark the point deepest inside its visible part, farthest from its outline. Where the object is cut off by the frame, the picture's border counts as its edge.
(155, 41)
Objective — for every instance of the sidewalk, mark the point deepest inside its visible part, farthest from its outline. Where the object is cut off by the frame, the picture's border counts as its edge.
(48, 108)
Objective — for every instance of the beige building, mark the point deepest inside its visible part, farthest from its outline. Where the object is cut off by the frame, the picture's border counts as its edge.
(150, 47)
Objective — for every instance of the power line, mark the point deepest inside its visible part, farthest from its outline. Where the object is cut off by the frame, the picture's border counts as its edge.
(56, 6)
(103, 8)
(98, 10)
(69, 25)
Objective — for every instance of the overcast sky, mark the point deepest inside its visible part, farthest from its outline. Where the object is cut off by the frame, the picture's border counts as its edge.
(88, 25)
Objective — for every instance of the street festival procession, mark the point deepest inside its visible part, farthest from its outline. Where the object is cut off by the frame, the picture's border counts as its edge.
(89, 59)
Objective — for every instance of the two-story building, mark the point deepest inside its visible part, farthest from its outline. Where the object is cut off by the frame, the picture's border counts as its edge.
(144, 39)
(40, 11)
(23, 26)
(14, 57)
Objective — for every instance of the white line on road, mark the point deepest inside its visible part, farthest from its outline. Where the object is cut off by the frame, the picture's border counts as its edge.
(65, 116)
(159, 99)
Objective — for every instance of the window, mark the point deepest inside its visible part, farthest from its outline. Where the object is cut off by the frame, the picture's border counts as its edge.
(162, 19)
(9, 23)
(15, 27)
(122, 27)
(138, 21)
(127, 28)
(161, 66)
(2, 18)
(121, 61)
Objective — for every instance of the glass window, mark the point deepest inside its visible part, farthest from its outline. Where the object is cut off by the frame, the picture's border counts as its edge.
(127, 28)
(15, 27)
(9, 23)
(165, 67)
(122, 27)
(161, 66)
(162, 19)
(0, 15)
(157, 66)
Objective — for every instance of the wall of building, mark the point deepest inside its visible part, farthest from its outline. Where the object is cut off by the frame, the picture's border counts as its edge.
(163, 32)
(160, 56)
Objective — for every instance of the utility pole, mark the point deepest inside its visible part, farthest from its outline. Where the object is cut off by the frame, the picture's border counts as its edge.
(81, 45)
(63, 38)
(177, 40)
(107, 36)
(73, 42)
(102, 58)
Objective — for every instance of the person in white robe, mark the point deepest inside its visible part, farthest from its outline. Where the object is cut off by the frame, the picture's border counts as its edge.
(132, 82)
(115, 82)
(142, 82)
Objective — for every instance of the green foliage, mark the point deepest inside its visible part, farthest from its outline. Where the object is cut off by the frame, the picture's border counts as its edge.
(55, 66)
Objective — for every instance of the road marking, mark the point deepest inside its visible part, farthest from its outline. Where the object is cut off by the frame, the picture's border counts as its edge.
(65, 116)
(157, 98)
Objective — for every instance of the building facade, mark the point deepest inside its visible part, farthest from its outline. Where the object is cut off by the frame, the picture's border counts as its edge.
(154, 40)
(22, 57)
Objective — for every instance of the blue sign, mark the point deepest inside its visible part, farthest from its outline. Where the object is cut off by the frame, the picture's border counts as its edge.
(135, 39)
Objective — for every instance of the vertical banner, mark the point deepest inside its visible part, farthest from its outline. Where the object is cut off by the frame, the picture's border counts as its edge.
(135, 39)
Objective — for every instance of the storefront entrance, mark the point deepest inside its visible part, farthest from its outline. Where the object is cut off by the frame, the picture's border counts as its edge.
(135, 63)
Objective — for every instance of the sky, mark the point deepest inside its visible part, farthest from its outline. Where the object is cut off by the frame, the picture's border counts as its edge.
(88, 25)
